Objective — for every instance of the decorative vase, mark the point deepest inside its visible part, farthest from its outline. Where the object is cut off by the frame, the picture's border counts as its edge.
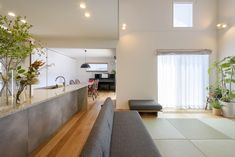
(22, 94)
(22, 97)
(7, 88)
(217, 112)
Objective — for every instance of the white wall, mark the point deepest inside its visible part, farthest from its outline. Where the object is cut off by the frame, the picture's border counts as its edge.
(226, 37)
(149, 27)
(63, 65)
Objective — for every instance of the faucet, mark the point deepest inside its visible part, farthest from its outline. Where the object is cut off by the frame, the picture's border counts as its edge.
(64, 83)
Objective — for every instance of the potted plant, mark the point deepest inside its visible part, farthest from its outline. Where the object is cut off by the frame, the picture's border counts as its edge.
(216, 107)
(226, 78)
(16, 44)
(27, 77)
(215, 92)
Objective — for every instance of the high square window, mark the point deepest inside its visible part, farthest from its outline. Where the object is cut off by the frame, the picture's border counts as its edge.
(183, 14)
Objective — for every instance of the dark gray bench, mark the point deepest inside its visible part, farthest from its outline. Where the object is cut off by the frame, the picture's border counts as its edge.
(145, 106)
(119, 134)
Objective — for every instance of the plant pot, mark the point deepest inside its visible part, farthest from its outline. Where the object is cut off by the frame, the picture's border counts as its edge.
(23, 96)
(217, 112)
(228, 109)
(7, 88)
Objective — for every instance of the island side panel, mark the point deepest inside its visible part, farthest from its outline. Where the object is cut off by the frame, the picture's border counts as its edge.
(14, 135)
(69, 105)
(45, 119)
(82, 99)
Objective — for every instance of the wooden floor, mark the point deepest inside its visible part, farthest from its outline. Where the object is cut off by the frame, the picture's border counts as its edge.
(69, 140)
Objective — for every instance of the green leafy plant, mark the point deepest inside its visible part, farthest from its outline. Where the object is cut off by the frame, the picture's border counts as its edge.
(27, 77)
(226, 76)
(16, 44)
(113, 71)
(215, 91)
(216, 104)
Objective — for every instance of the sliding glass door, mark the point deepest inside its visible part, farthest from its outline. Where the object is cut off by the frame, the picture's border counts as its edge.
(182, 80)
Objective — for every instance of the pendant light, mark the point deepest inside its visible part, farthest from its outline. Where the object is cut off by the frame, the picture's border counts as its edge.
(85, 65)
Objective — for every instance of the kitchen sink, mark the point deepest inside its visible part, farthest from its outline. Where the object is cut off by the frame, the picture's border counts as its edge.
(52, 87)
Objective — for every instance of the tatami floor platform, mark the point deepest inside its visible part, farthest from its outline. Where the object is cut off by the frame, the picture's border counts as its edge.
(176, 133)
(192, 134)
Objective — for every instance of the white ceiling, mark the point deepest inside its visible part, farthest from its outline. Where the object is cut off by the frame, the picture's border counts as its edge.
(80, 53)
(64, 18)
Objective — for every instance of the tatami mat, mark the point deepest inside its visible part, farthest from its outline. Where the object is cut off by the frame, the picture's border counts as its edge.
(195, 129)
(177, 148)
(216, 148)
(224, 125)
(162, 129)
(193, 137)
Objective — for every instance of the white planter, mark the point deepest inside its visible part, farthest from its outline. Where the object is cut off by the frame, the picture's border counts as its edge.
(228, 109)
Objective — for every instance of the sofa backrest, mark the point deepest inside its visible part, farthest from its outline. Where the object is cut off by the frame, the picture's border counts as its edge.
(98, 142)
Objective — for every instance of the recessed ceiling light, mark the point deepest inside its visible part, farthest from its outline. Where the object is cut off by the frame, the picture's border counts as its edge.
(224, 25)
(23, 20)
(87, 14)
(82, 5)
(219, 25)
(12, 14)
(124, 26)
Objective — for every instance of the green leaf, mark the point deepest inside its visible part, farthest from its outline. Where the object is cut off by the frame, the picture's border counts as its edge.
(232, 96)
(21, 71)
(232, 61)
(225, 65)
(232, 80)
(19, 67)
(229, 73)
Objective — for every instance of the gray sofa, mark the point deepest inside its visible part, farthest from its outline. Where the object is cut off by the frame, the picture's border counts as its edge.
(119, 134)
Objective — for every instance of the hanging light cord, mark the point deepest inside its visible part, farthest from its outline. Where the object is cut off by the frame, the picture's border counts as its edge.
(85, 56)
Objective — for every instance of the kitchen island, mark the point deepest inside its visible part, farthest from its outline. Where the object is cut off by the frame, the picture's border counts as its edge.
(29, 125)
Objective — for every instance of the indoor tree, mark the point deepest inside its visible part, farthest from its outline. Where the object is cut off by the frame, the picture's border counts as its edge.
(16, 44)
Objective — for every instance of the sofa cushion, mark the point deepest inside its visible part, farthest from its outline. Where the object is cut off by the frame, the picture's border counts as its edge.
(144, 105)
(130, 137)
(108, 107)
(98, 142)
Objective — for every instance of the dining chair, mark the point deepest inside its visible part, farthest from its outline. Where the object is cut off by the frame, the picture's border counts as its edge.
(77, 81)
(71, 82)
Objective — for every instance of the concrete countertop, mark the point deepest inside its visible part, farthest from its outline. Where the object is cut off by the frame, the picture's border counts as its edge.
(40, 96)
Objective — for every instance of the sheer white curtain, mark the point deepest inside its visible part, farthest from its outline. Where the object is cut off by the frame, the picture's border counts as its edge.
(182, 80)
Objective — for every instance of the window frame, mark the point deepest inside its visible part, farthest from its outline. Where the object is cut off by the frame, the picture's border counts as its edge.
(193, 13)
(88, 69)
